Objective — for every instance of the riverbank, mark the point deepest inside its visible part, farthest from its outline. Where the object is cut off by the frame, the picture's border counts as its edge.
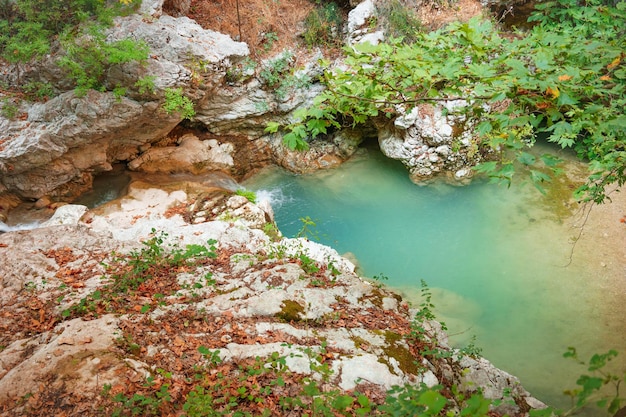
(296, 304)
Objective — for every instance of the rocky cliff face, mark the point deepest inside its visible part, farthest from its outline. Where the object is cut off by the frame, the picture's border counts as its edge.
(89, 313)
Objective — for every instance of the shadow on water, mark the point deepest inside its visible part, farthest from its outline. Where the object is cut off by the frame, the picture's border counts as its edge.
(493, 257)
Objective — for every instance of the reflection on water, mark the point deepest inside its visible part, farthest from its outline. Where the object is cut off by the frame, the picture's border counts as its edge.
(493, 257)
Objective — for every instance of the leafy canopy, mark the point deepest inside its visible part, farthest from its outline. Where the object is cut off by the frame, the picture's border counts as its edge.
(566, 79)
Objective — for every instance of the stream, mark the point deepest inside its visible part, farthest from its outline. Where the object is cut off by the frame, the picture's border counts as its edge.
(500, 263)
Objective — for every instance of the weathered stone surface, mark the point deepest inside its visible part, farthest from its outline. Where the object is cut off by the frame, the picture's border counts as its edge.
(191, 155)
(358, 28)
(431, 144)
(66, 214)
(245, 105)
(72, 352)
(322, 154)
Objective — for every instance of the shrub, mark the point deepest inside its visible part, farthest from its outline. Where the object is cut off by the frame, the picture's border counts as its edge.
(176, 102)
(399, 20)
(89, 57)
(28, 29)
(323, 26)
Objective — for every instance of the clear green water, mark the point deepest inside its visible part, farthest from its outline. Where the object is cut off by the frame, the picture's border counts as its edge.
(493, 257)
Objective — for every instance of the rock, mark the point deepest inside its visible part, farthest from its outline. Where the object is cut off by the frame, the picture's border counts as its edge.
(76, 344)
(495, 384)
(431, 144)
(176, 8)
(64, 141)
(43, 202)
(152, 8)
(68, 137)
(191, 155)
(67, 214)
(322, 154)
(358, 28)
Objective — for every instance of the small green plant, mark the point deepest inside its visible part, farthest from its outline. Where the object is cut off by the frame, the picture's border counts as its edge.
(268, 40)
(421, 401)
(471, 349)
(323, 25)
(399, 20)
(249, 194)
(240, 71)
(176, 102)
(9, 109)
(119, 92)
(145, 85)
(89, 57)
(271, 230)
(38, 90)
(274, 70)
(600, 388)
(134, 272)
(308, 229)
(278, 76)
(308, 265)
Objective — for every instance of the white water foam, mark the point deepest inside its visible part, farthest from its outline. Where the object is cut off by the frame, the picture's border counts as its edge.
(4, 228)
(275, 197)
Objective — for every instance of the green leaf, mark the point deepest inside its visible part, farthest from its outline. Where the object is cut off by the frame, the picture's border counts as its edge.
(342, 402)
(272, 127)
(566, 100)
(434, 401)
(550, 160)
(526, 158)
(311, 389)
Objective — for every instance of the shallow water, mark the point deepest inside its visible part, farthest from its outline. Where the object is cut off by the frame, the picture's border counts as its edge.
(494, 259)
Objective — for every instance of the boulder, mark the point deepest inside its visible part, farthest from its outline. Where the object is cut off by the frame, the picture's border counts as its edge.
(432, 143)
(322, 154)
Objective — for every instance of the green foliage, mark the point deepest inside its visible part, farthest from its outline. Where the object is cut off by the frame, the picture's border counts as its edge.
(277, 75)
(8, 108)
(240, 71)
(399, 20)
(566, 78)
(33, 26)
(145, 85)
(176, 102)
(272, 231)
(323, 25)
(88, 58)
(249, 194)
(308, 229)
(38, 91)
(268, 40)
(600, 388)
(421, 401)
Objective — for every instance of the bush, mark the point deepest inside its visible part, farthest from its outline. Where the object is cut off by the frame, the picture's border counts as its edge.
(89, 57)
(176, 102)
(399, 20)
(29, 28)
(323, 26)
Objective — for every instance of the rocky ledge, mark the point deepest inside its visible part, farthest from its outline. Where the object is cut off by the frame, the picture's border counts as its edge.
(171, 301)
